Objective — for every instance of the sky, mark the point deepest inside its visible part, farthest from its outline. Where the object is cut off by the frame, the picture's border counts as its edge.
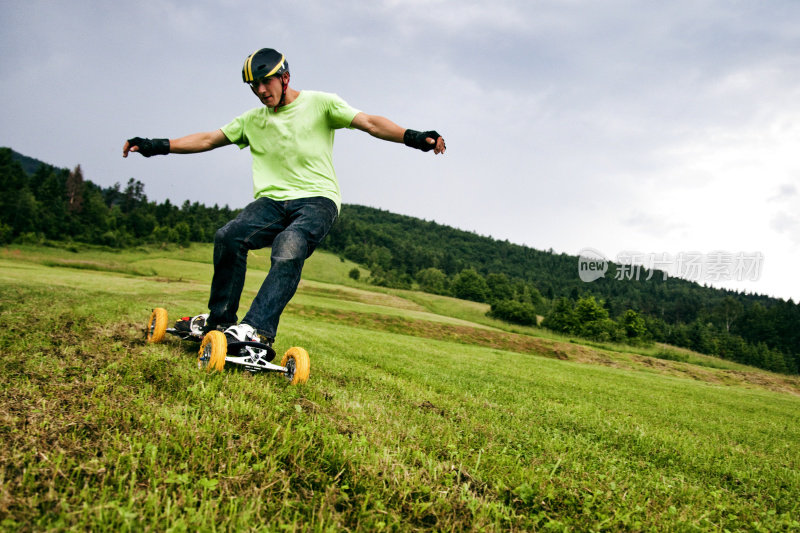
(666, 132)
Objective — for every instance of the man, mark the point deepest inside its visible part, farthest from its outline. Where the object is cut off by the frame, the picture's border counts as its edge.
(296, 192)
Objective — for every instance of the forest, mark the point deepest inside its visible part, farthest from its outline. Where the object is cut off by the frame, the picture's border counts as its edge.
(40, 203)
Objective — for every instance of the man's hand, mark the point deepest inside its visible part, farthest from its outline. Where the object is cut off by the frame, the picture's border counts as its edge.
(146, 147)
(425, 141)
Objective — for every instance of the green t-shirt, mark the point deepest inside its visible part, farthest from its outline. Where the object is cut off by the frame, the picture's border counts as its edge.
(293, 149)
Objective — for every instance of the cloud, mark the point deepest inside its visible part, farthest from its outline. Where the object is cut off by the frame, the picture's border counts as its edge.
(788, 224)
(654, 225)
(786, 191)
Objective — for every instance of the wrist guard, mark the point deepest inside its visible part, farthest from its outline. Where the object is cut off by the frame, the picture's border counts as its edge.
(148, 147)
(416, 139)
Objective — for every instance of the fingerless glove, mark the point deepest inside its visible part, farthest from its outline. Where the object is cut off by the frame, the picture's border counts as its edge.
(416, 139)
(148, 147)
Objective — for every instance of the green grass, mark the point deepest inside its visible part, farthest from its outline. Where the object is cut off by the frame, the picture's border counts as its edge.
(413, 419)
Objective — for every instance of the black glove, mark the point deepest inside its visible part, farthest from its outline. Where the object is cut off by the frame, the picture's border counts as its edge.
(148, 147)
(416, 139)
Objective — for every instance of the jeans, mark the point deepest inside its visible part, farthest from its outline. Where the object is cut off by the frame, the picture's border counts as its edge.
(293, 228)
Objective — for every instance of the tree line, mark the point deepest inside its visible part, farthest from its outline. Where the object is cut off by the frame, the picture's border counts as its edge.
(39, 202)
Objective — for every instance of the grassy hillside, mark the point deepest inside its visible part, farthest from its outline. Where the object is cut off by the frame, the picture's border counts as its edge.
(420, 414)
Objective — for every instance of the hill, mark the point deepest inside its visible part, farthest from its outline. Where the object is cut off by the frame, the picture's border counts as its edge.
(402, 252)
(421, 414)
(28, 164)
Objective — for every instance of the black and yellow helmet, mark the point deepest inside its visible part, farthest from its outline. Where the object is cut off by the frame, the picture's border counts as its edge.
(263, 64)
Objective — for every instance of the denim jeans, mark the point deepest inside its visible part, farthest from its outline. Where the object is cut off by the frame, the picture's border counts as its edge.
(293, 228)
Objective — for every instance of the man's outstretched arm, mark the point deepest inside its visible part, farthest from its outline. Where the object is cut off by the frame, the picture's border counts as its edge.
(190, 144)
(383, 128)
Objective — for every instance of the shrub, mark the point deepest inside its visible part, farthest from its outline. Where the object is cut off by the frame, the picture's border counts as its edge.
(562, 317)
(6, 233)
(432, 280)
(514, 312)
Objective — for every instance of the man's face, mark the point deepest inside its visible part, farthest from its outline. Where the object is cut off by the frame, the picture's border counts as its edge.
(268, 90)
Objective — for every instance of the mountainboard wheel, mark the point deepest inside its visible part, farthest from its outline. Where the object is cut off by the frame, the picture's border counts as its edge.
(157, 325)
(213, 349)
(297, 361)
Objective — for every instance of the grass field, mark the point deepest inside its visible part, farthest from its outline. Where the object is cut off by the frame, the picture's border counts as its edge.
(420, 414)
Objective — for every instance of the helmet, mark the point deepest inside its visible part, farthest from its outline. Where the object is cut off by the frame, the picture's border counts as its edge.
(264, 63)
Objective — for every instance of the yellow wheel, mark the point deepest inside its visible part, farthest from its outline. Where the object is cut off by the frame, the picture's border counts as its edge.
(297, 361)
(157, 325)
(213, 349)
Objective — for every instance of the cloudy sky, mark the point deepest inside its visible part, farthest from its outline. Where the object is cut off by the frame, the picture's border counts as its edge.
(663, 128)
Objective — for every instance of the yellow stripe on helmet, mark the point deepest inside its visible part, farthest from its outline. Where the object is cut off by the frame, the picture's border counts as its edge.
(248, 67)
(277, 67)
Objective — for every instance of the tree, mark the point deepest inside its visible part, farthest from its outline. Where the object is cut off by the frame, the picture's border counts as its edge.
(182, 232)
(469, 285)
(380, 256)
(531, 294)
(727, 311)
(593, 320)
(92, 221)
(133, 196)
(701, 338)
(142, 224)
(500, 287)
(49, 188)
(12, 181)
(562, 317)
(587, 309)
(432, 280)
(75, 190)
(25, 213)
(634, 325)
